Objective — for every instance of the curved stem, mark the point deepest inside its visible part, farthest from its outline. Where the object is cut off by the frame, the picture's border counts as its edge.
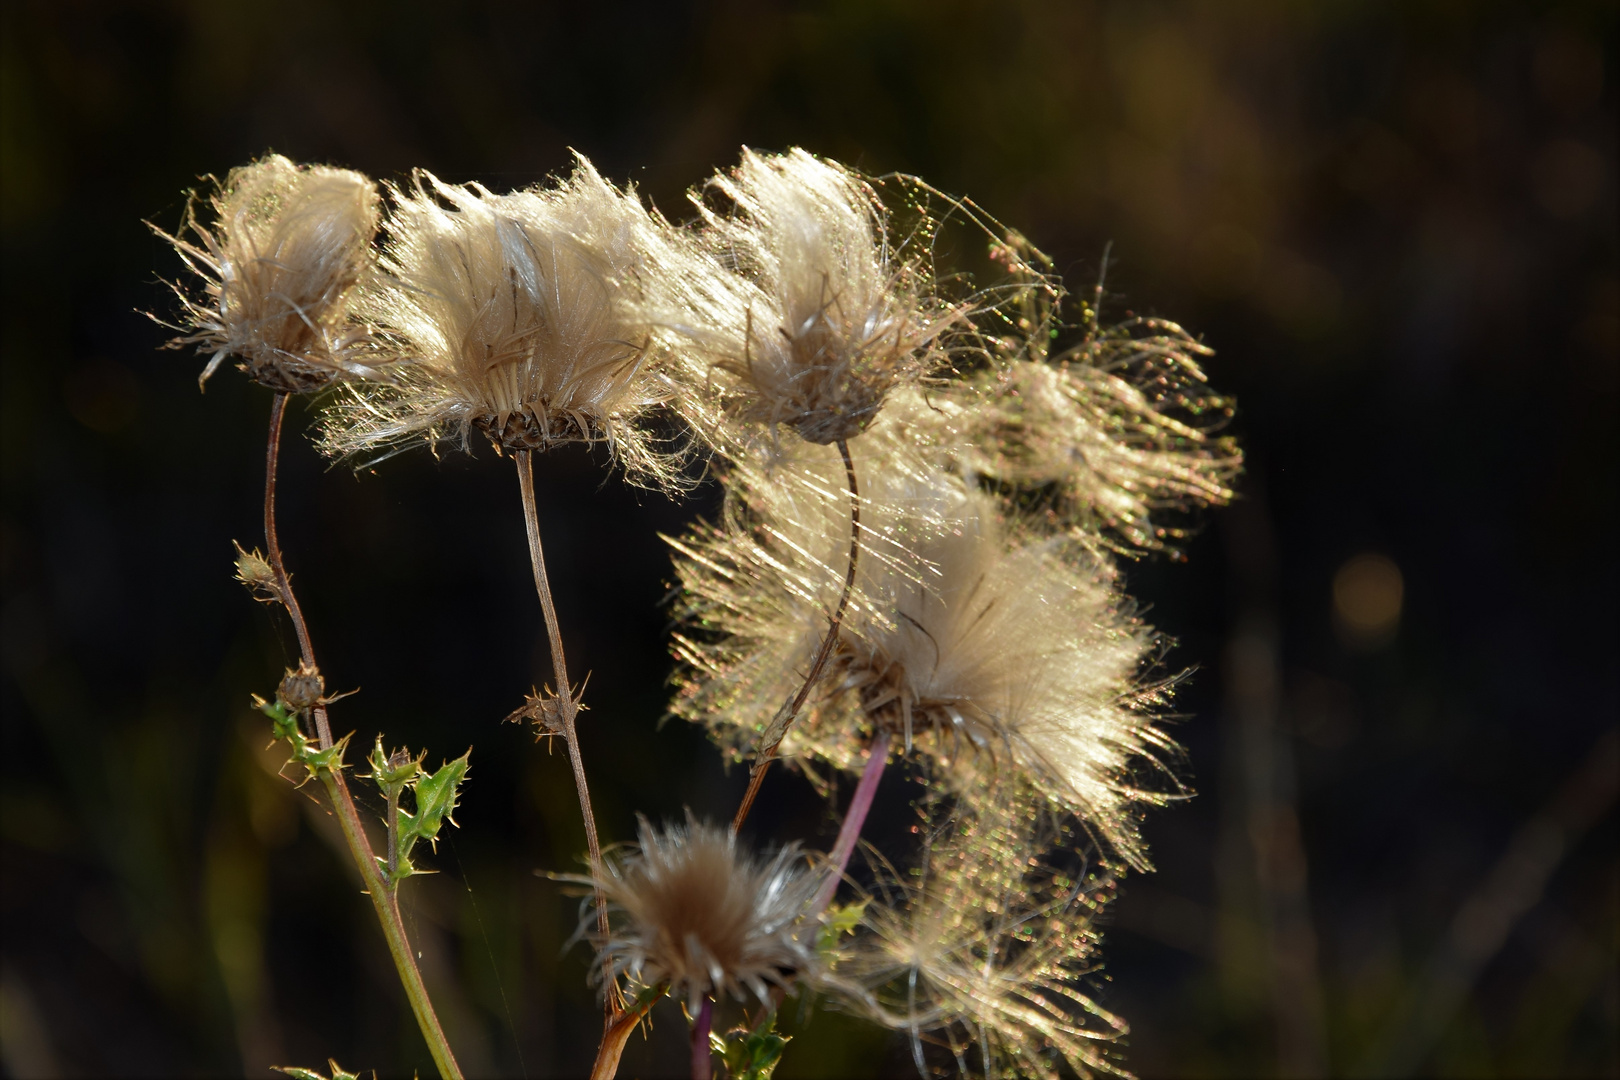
(383, 897)
(618, 1034)
(272, 455)
(565, 699)
(854, 819)
(784, 719)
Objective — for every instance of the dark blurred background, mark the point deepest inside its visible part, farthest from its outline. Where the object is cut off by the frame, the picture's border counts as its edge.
(1395, 222)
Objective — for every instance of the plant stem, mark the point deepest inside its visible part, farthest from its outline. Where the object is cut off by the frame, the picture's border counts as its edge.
(618, 1033)
(854, 819)
(272, 455)
(386, 902)
(784, 719)
(383, 897)
(565, 699)
(702, 1065)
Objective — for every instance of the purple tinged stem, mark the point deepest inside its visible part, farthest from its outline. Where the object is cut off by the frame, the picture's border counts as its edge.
(701, 1062)
(859, 807)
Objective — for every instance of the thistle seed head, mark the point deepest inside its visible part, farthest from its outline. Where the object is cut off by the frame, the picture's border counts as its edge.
(513, 316)
(980, 643)
(279, 262)
(822, 315)
(687, 908)
(1115, 437)
(986, 949)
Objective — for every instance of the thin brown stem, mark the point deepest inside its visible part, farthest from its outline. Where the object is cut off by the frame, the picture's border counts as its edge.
(567, 707)
(784, 719)
(383, 896)
(618, 1033)
(272, 455)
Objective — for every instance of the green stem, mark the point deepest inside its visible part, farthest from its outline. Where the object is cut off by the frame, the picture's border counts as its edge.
(386, 902)
(382, 895)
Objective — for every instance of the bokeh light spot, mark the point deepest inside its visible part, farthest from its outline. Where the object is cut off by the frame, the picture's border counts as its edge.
(1367, 594)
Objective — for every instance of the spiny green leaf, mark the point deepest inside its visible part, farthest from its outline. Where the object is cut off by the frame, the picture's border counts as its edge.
(435, 800)
(750, 1055)
(839, 919)
(299, 1073)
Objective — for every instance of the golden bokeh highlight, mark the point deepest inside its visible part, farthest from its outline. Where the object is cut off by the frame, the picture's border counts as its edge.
(1368, 592)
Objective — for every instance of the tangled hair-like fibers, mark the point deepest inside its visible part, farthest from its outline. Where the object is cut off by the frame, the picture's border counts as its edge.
(280, 263)
(986, 950)
(979, 644)
(824, 313)
(688, 909)
(512, 315)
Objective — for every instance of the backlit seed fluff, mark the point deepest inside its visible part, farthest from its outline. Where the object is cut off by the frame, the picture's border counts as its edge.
(827, 313)
(978, 646)
(510, 315)
(986, 951)
(280, 263)
(688, 909)
(1119, 431)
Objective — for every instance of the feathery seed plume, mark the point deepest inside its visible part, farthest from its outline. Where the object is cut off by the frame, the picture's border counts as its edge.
(512, 315)
(823, 314)
(986, 951)
(963, 635)
(280, 263)
(1113, 436)
(687, 908)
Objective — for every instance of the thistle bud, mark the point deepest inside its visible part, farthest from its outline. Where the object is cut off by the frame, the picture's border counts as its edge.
(256, 574)
(302, 688)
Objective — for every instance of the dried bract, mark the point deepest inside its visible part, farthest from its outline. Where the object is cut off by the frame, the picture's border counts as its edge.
(280, 263)
(690, 910)
(982, 645)
(824, 314)
(512, 315)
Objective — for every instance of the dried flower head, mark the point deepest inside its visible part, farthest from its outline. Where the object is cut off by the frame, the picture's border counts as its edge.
(824, 314)
(280, 263)
(512, 315)
(985, 952)
(1114, 436)
(987, 646)
(689, 910)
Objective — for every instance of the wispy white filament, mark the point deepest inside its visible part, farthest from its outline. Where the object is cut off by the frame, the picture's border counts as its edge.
(280, 263)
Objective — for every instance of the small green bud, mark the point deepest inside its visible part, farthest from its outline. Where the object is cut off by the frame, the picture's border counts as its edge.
(393, 772)
(253, 571)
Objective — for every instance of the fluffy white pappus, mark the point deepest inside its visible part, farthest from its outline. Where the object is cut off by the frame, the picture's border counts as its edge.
(279, 263)
(512, 315)
(987, 950)
(983, 646)
(1121, 433)
(688, 909)
(825, 313)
